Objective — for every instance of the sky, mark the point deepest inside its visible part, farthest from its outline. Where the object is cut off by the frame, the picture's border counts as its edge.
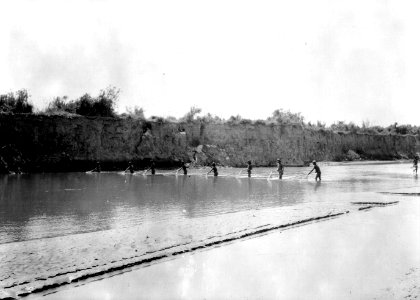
(330, 60)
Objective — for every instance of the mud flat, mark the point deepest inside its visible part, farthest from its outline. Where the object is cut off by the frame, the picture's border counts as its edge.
(37, 265)
(368, 254)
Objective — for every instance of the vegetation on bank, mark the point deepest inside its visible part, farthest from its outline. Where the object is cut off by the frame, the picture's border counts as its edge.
(16, 103)
(104, 104)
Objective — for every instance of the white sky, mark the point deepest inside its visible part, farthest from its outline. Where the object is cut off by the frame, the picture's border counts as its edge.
(330, 60)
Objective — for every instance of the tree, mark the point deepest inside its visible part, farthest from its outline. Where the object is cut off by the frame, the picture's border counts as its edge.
(286, 117)
(190, 116)
(105, 103)
(61, 104)
(17, 103)
(84, 106)
(135, 112)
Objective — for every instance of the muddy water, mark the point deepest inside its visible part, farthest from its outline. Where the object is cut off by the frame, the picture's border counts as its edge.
(46, 205)
(73, 223)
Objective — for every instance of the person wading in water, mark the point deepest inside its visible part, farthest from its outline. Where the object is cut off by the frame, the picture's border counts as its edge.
(130, 167)
(213, 169)
(280, 168)
(184, 167)
(415, 163)
(249, 168)
(151, 167)
(97, 168)
(317, 171)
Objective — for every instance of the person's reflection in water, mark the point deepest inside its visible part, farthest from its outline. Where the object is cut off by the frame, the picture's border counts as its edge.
(249, 187)
(270, 183)
(128, 180)
(278, 188)
(214, 181)
(180, 180)
(317, 185)
(238, 181)
(3, 186)
(98, 181)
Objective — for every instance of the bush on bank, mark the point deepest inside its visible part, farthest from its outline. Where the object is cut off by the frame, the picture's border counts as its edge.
(103, 105)
(16, 103)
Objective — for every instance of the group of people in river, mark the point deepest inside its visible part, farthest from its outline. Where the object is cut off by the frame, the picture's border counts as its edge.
(213, 168)
(280, 169)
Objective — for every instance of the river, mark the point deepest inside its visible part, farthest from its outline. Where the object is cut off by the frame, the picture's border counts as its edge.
(57, 227)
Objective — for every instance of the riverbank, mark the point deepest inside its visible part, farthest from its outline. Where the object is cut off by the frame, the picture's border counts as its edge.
(370, 254)
(43, 143)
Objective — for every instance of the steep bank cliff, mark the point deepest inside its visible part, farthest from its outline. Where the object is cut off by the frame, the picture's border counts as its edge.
(51, 143)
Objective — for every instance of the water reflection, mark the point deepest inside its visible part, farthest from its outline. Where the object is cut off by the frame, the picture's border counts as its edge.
(45, 205)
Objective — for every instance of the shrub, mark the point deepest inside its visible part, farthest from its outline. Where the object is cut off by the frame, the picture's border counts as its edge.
(135, 112)
(190, 116)
(343, 127)
(353, 128)
(85, 105)
(234, 120)
(103, 105)
(209, 118)
(58, 104)
(157, 119)
(146, 126)
(403, 129)
(61, 105)
(286, 117)
(17, 103)
(259, 122)
(320, 124)
(171, 119)
(377, 129)
(245, 121)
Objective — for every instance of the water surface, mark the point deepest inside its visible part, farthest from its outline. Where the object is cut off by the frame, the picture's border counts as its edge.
(56, 228)
(34, 206)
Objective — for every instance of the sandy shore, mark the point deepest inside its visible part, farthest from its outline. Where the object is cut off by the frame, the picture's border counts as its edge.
(369, 254)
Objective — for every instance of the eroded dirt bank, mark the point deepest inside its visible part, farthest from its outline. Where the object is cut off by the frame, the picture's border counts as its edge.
(58, 143)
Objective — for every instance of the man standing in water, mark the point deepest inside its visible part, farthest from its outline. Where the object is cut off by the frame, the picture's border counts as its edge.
(183, 167)
(213, 169)
(280, 168)
(415, 163)
(249, 168)
(97, 168)
(317, 171)
(152, 167)
(130, 167)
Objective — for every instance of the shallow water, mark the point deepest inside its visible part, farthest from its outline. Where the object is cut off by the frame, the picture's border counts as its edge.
(55, 228)
(46, 205)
